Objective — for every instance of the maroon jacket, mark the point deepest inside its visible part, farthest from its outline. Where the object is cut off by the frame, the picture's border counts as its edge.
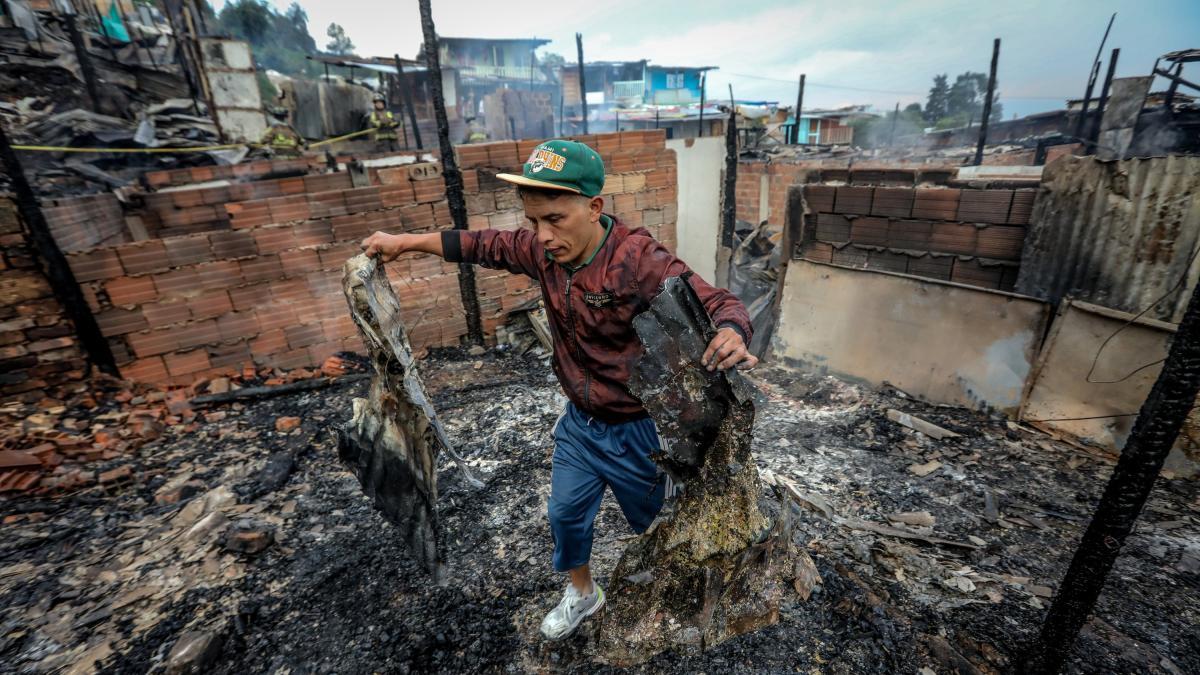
(591, 310)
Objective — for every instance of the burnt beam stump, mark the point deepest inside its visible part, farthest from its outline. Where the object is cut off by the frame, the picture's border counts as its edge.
(393, 439)
(712, 565)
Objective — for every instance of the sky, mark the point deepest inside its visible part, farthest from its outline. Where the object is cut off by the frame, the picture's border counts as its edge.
(852, 51)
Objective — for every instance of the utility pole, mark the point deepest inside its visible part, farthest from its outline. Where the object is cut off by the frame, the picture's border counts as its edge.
(85, 61)
(54, 264)
(728, 199)
(1154, 433)
(582, 82)
(406, 94)
(703, 82)
(987, 103)
(1094, 130)
(799, 105)
(450, 173)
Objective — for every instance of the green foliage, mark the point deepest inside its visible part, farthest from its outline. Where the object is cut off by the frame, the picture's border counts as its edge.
(339, 43)
(266, 90)
(956, 105)
(280, 41)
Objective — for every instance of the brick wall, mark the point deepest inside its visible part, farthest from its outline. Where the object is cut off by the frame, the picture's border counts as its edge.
(784, 174)
(268, 290)
(79, 223)
(246, 170)
(37, 345)
(970, 236)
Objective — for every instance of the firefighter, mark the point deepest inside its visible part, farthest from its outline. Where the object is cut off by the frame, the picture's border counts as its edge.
(281, 139)
(384, 123)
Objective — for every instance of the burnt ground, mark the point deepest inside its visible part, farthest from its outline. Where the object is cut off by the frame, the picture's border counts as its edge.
(109, 580)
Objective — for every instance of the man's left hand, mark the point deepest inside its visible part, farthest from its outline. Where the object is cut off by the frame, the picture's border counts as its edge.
(727, 350)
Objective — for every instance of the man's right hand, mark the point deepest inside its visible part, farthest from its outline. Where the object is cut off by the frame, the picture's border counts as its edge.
(386, 247)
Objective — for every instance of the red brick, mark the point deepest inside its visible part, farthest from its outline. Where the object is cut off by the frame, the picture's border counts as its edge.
(1000, 241)
(909, 234)
(250, 297)
(160, 314)
(229, 355)
(853, 200)
(289, 290)
(233, 244)
(984, 206)
(118, 321)
(304, 335)
(289, 209)
(832, 228)
(145, 257)
(267, 343)
(262, 268)
(180, 282)
(153, 343)
(932, 267)
(819, 198)
(151, 369)
(186, 362)
(96, 265)
(1022, 207)
(936, 204)
(503, 155)
(220, 274)
(892, 202)
(210, 305)
(130, 290)
(274, 315)
(866, 230)
(197, 333)
(849, 256)
(973, 273)
(299, 261)
(887, 261)
(953, 238)
(187, 250)
(311, 233)
(352, 227)
(274, 239)
(235, 325)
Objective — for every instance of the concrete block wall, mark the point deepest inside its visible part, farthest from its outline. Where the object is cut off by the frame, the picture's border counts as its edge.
(38, 350)
(267, 291)
(970, 236)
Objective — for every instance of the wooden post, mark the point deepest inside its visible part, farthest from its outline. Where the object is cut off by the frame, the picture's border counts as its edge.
(799, 106)
(703, 84)
(1094, 129)
(85, 61)
(54, 264)
(1154, 433)
(895, 118)
(582, 83)
(987, 103)
(450, 173)
(729, 202)
(655, 117)
(406, 95)
(1087, 96)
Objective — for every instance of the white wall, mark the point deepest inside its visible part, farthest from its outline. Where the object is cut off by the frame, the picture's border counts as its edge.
(699, 162)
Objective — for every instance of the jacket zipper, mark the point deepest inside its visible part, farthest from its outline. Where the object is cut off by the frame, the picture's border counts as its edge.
(587, 377)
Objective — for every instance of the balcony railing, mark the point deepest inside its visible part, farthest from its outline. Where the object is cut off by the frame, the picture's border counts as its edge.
(522, 73)
(629, 89)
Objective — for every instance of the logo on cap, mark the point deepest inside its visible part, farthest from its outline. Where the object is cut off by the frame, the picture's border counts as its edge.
(544, 158)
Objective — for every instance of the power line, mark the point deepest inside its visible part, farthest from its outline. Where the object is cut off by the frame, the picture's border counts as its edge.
(879, 91)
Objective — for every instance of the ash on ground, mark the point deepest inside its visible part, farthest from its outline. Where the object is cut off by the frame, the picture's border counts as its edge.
(240, 545)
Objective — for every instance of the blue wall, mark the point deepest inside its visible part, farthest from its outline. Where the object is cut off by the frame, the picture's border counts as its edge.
(658, 80)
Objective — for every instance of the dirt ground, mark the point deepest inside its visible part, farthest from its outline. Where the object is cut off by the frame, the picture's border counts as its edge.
(109, 578)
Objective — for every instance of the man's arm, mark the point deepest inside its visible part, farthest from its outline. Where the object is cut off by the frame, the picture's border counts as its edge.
(729, 347)
(512, 250)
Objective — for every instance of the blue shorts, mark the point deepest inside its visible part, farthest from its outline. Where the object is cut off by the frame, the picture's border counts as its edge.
(590, 455)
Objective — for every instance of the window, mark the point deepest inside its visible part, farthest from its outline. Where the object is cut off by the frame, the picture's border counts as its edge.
(675, 81)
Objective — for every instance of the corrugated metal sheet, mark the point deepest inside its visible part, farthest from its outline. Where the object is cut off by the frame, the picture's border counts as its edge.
(1118, 234)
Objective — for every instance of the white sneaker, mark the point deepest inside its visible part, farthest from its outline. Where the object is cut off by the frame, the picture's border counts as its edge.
(562, 621)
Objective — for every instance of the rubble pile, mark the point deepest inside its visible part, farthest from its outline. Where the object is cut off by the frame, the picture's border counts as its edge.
(90, 437)
(263, 555)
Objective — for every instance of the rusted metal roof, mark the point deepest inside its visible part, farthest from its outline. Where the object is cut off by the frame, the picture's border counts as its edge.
(1120, 234)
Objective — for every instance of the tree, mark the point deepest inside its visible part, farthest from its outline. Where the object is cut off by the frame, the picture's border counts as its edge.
(246, 19)
(339, 42)
(281, 41)
(935, 105)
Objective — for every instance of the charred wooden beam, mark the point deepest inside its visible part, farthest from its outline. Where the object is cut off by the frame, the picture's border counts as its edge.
(712, 565)
(393, 439)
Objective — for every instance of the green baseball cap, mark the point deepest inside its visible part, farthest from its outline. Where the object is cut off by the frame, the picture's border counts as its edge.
(564, 165)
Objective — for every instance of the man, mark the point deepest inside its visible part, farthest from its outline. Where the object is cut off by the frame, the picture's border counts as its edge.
(384, 124)
(280, 138)
(596, 274)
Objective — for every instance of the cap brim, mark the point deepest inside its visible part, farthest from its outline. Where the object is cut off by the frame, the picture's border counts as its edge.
(522, 180)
